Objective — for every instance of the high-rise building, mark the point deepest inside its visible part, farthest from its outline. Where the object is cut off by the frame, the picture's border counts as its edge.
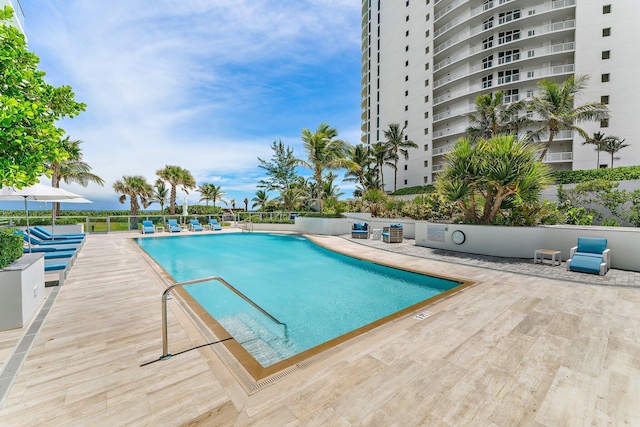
(18, 14)
(425, 61)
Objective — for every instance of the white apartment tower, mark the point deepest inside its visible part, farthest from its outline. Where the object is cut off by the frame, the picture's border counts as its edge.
(425, 61)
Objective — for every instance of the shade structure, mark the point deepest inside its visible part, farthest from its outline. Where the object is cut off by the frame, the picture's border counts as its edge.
(37, 192)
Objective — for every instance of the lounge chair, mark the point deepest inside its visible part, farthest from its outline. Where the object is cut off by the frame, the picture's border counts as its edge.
(195, 225)
(49, 237)
(52, 248)
(214, 225)
(360, 230)
(148, 227)
(46, 232)
(392, 234)
(173, 225)
(60, 267)
(590, 256)
(29, 238)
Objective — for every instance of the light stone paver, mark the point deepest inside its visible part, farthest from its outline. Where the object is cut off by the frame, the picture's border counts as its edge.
(514, 349)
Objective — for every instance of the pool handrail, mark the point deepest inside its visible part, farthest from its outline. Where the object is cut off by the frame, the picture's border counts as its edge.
(165, 294)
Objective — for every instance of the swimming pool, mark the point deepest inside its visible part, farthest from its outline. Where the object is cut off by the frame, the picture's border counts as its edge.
(319, 294)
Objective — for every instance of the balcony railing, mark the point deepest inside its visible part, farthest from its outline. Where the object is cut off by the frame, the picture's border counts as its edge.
(440, 151)
(438, 167)
(449, 131)
(557, 157)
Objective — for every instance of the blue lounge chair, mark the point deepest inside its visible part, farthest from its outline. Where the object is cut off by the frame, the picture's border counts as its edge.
(59, 236)
(195, 225)
(214, 225)
(360, 231)
(60, 267)
(47, 249)
(148, 227)
(34, 241)
(173, 225)
(590, 256)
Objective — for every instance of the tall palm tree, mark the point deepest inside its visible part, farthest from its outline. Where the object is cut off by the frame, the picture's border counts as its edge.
(73, 169)
(292, 197)
(613, 145)
(246, 204)
(134, 186)
(330, 191)
(555, 105)
(382, 157)
(218, 194)
(176, 177)
(324, 152)
(160, 194)
(396, 144)
(493, 116)
(599, 140)
(206, 190)
(261, 199)
(359, 155)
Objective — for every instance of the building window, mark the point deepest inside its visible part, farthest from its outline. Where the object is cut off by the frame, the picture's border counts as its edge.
(508, 36)
(406, 63)
(487, 62)
(426, 34)
(426, 179)
(511, 95)
(487, 81)
(426, 66)
(405, 182)
(604, 123)
(406, 108)
(426, 131)
(406, 93)
(407, 2)
(426, 82)
(406, 78)
(427, 17)
(406, 34)
(407, 18)
(605, 78)
(606, 9)
(406, 48)
(487, 43)
(426, 147)
(426, 49)
(505, 17)
(426, 98)
(604, 99)
(406, 123)
(405, 167)
(529, 94)
(426, 114)
(508, 55)
(508, 76)
(487, 24)
(606, 32)
(426, 163)
(606, 54)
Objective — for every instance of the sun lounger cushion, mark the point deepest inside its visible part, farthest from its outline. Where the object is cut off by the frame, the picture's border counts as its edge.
(173, 226)
(68, 236)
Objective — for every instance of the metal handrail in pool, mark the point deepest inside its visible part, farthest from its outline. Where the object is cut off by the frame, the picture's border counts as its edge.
(165, 339)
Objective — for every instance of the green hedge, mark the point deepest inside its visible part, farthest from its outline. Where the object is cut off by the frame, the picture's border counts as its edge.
(418, 189)
(10, 246)
(622, 173)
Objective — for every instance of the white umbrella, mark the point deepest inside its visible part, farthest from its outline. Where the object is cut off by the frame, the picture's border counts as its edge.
(53, 210)
(37, 192)
(185, 207)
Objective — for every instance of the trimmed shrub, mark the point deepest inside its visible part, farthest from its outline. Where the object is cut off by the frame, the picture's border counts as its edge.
(621, 173)
(10, 246)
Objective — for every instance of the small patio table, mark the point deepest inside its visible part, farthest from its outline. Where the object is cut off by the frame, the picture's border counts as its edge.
(539, 254)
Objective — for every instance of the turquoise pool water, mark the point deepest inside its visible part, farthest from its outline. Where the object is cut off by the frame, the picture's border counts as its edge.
(318, 293)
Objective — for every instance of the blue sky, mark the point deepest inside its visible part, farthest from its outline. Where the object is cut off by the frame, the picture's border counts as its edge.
(206, 85)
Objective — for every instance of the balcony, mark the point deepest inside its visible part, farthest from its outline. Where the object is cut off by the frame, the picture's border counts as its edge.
(441, 151)
(452, 113)
(449, 131)
(556, 157)
(439, 167)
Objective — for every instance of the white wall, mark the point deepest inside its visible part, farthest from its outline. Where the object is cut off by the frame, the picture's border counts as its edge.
(521, 242)
(21, 290)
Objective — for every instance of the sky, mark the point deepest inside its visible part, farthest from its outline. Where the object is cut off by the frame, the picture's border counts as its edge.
(205, 85)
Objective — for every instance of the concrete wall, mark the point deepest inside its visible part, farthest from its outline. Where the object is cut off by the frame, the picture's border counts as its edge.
(326, 226)
(21, 290)
(521, 242)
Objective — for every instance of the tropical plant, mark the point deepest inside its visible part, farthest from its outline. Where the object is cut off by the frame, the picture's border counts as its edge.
(206, 190)
(359, 155)
(482, 176)
(555, 107)
(280, 169)
(176, 177)
(160, 194)
(246, 204)
(292, 197)
(29, 109)
(382, 157)
(260, 200)
(72, 169)
(330, 191)
(612, 145)
(135, 187)
(324, 152)
(397, 144)
(375, 200)
(599, 140)
(493, 116)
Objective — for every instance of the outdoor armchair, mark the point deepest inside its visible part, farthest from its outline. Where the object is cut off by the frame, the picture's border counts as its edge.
(393, 233)
(590, 256)
(360, 230)
(173, 225)
(195, 225)
(148, 227)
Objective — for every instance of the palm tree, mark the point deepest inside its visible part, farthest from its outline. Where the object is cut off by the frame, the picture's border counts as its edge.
(176, 176)
(481, 177)
(359, 155)
(330, 191)
(292, 197)
(73, 169)
(206, 190)
(493, 116)
(217, 194)
(246, 204)
(382, 157)
(555, 107)
(160, 194)
(599, 140)
(134, 186)
(396, 144)
(324, 152)
(261, 199)
(612, 145)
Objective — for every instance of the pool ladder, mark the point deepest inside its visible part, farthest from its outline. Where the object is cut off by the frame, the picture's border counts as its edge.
(165, 294)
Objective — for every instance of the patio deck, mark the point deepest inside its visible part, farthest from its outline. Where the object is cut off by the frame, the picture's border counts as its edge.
(515, 349)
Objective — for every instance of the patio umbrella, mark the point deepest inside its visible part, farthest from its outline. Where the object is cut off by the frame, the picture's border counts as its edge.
(37, 192)
(53, 209)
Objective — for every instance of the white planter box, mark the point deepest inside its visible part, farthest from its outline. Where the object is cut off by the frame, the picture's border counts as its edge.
(21, 290)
